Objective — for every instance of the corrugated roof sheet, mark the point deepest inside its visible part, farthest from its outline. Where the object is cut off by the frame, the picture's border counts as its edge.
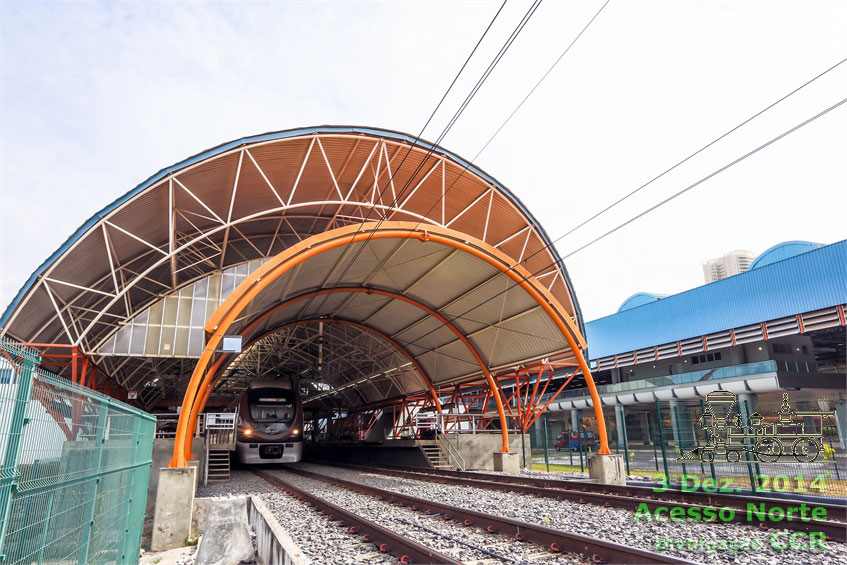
(639, 299)
(783, 250)
(802, 283)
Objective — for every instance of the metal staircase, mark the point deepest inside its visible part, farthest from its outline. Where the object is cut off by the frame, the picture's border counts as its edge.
(217, 465)
(220, 442)
(436, 457)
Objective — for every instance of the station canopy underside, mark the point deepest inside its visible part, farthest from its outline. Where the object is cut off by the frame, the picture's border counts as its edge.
(134, 287)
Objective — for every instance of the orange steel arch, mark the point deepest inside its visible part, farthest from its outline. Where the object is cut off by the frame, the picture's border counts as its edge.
(215, 369)
(224, 361)
(250, 288)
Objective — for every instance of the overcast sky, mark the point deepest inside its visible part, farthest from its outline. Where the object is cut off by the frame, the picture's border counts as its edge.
(96, 97)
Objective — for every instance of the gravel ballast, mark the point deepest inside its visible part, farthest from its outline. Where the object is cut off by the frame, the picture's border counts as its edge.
(612, 524)
(460, 542)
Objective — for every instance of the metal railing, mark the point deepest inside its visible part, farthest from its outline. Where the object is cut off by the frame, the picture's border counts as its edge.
(451, 452)
(220, 428)
(166, 425)
(470, 424)
(75, 468)
(744, 370)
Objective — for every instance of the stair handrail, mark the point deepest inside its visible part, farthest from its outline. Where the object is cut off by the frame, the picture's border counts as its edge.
(206, 464)
(451, 451)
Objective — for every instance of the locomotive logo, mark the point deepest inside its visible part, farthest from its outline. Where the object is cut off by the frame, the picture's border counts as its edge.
(765, 442)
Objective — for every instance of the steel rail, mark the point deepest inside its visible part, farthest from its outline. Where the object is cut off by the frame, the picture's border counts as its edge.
(599, 551)
(834, 511)
(626, 497)
(405, 549)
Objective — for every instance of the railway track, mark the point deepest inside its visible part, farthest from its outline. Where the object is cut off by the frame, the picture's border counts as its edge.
(405, 549)
(626, 497)
(598, 551)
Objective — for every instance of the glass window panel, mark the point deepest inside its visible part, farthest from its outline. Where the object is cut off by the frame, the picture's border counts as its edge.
(168, 339)
(210, 308)
(201, 288)
(139, 333)
(142, 318)
(195, 342)
(214, 287)
(156, 313)
(181, 345)
(184, 316)
(108, 347)
(122, 341)
(227, 284)
(198, 312)
(169, 318)
(153, 333)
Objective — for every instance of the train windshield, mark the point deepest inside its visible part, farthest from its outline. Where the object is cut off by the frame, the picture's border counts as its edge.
(272, 405)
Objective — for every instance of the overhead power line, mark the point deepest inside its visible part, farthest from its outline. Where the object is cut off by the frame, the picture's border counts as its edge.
(672, 197)
(497, 58)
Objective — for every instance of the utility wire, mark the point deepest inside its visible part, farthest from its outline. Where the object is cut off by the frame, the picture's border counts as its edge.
(663, 202)
(515, 111)
(508, 43)
(707, 177)
(418, 137)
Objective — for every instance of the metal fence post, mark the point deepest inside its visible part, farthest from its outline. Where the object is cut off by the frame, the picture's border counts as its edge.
(712, 462)
(579, 441)
(662, 442)
(88, 521)
(747, 442)
(625, 448)
(652, 441)
(131, 484)
(9, 472)
(675, 418)
(523, 447)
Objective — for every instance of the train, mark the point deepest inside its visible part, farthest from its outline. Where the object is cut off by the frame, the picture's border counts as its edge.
(270, 424)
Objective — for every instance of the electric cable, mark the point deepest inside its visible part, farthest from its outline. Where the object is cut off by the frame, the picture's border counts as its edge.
(662, 203)
(503, 49)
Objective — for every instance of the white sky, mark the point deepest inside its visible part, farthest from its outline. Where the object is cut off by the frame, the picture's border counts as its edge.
(97, 97)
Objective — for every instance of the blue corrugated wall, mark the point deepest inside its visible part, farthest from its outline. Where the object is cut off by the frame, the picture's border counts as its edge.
(810, 281)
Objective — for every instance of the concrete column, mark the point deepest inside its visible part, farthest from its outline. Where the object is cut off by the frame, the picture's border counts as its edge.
(508, 463)
(616, 375)
(607, 469)
(574, 419)
(841, 422)
(645, 427)
(174, 502)
(746, 406)
(620, 424)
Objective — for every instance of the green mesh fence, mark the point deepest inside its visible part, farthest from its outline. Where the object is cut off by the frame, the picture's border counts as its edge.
(75, 468)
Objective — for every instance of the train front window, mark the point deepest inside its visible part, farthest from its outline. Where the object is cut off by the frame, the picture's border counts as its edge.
(269, 406)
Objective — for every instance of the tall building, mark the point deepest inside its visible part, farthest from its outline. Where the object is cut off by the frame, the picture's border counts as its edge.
(733, 263)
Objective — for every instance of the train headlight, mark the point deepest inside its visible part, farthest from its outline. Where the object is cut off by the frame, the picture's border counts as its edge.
(248, 432)
(295, 431)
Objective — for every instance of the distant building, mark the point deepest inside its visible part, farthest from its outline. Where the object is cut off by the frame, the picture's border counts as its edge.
(733, 263)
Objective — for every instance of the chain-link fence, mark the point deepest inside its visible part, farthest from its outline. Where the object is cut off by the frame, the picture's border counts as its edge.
(797, 453)
(76, 464)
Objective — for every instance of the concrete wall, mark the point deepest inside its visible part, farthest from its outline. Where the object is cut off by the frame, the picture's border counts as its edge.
(163, 450)
(404, 453)
(478, 449)
(273, 544)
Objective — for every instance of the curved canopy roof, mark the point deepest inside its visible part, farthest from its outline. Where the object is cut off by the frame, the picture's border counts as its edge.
(639, 299)
(250, 199)
(783, 250)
